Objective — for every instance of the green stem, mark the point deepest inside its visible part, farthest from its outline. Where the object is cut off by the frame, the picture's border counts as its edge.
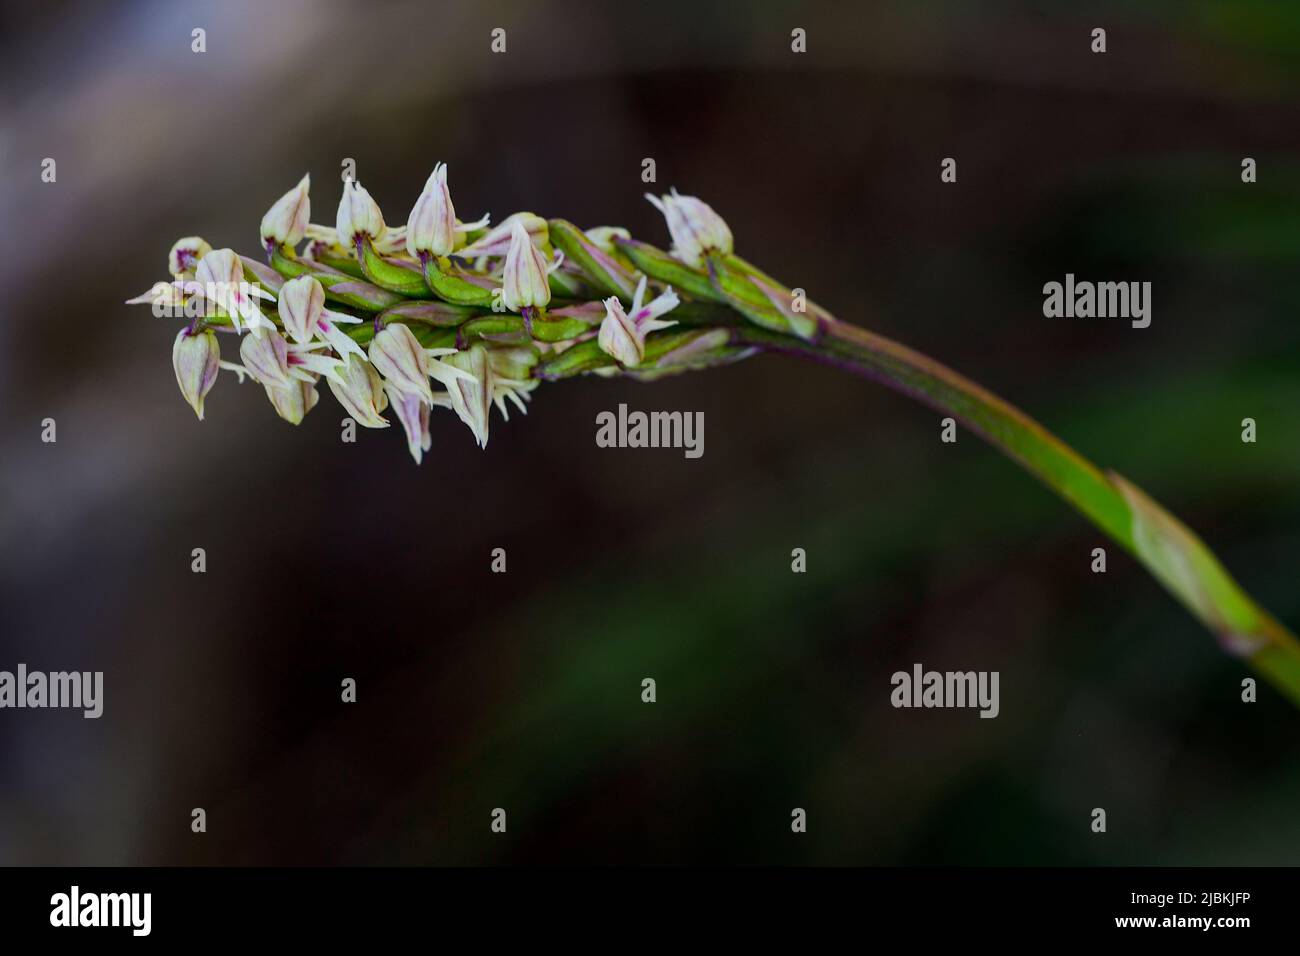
(1000, 423)
(1173, 554)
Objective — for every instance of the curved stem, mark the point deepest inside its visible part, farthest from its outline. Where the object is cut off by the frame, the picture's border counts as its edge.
(1168, 549)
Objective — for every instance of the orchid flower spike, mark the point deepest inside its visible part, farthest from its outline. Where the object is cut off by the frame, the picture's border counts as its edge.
(731, 311)
(285, 223)
(622, 335)
(695, 228)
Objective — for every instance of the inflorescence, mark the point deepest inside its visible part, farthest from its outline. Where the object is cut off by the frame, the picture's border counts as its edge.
(486, 314)
(440, 313)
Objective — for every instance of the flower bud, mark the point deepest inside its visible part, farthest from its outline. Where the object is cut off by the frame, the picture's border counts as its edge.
(361, 393)
(266, 358)
(524, 282)
(285, 223)
(358, 215)
(694, 226)
(302, 303)
(431, 227)
(618, 335)
(184, 256)
(471, 394)
(413, 413)
(622, 335)
(294, 402)
(401, 359)
(196, 359)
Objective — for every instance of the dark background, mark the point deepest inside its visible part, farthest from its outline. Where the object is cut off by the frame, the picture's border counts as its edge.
(328, 560)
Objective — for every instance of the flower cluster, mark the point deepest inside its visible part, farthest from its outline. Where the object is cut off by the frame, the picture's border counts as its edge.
(440, 313)
(436, 313)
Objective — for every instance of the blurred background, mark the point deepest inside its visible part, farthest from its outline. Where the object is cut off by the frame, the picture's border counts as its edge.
(477, 690)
